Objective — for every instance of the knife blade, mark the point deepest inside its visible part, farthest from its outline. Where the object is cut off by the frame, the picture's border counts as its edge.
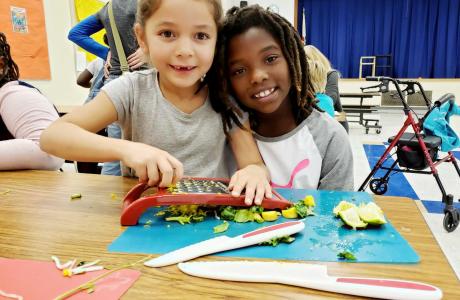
(223, 243)
(312, 276)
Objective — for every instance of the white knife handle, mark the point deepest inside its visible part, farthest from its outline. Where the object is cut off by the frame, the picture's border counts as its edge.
(376, 288)
(266, 233)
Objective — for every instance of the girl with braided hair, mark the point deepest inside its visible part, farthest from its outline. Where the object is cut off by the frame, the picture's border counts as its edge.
(260, 62)
(24, 114)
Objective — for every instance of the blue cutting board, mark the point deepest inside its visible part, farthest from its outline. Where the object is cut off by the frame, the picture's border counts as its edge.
(323, 238)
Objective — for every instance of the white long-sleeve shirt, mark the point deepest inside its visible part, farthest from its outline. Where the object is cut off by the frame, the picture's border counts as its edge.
(26, 113)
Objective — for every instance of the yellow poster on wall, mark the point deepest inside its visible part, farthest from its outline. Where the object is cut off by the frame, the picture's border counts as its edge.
(23, 23)
(86, 8)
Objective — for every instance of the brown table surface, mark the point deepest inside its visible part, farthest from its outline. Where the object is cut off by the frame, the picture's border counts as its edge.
(37, 220)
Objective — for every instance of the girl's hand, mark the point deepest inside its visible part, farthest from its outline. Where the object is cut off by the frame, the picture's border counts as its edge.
(253, 178)
(107, 65)
(136, 59)
(152, 165)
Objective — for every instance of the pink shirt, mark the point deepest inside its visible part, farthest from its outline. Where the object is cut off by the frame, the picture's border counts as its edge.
(26, 113)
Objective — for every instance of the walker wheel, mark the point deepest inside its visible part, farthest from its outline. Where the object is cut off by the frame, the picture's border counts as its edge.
(378, 131)
(451, 219)
(378, 186)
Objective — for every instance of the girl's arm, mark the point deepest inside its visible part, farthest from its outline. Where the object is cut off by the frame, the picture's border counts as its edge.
(253, 174)
(84, 78)
(26, 113)
(81, 33)
(74, 137)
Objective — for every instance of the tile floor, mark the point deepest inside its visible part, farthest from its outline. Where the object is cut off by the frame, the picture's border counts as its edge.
(424, 186)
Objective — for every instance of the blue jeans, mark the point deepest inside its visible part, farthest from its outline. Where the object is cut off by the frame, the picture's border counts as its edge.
(113, 131)
(113, 167)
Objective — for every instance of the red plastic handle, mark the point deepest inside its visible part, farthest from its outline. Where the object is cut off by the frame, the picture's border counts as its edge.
(134, 207)
(271, 228)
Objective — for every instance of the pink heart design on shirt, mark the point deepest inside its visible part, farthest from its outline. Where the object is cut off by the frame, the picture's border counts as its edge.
(300, 166)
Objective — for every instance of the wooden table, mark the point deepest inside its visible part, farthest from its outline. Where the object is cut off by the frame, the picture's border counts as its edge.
(37, 220)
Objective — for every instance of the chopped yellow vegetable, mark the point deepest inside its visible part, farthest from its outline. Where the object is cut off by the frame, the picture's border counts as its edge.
(309, 200)
(258, 218)
(351, 218)
(270, 215)
(5, 192)
(67, 272)
(75, 196)
(290, 213)
(343, 205)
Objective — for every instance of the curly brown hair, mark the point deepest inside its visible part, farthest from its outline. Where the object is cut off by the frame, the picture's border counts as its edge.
(10, 70)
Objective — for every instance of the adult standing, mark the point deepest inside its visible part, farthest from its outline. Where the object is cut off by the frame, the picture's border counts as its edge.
(124, 13)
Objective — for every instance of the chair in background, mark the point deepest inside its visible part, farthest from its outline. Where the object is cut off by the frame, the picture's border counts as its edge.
(367, 61)
(384, 65)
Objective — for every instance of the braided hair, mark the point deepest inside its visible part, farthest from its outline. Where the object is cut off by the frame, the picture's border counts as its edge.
(239, 20)
(10, 70)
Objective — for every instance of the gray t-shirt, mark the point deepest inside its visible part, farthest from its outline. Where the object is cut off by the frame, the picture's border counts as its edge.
(145, 116)
(315, 155)
(124, 14)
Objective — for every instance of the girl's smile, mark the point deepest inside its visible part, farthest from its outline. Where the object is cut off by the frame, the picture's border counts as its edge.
(266, 94)
(182, 69)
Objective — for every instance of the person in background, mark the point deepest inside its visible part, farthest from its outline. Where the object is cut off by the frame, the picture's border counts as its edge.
(317, 76)
(171, 126)
(125, 15)
(332, 83)
(92, 77)
(260, 62)
(24, 114)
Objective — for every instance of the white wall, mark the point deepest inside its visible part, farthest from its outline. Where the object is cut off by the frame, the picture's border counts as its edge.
(286, 7)
(62, 88)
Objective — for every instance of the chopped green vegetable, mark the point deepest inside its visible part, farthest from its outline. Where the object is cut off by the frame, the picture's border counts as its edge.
(181, 219)
(197, 219)
(258, 218)
(243, 216)
(75, 196)
(256, 209)
(303, 210)
(275, 241)
(221, 227)
(183, 213)
(228, 213)
(346, 255)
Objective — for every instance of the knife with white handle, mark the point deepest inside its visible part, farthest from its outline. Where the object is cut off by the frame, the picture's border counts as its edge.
(311, 276)
(223, 243)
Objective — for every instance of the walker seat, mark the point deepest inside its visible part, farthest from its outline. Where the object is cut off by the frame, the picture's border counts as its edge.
(410, 154)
